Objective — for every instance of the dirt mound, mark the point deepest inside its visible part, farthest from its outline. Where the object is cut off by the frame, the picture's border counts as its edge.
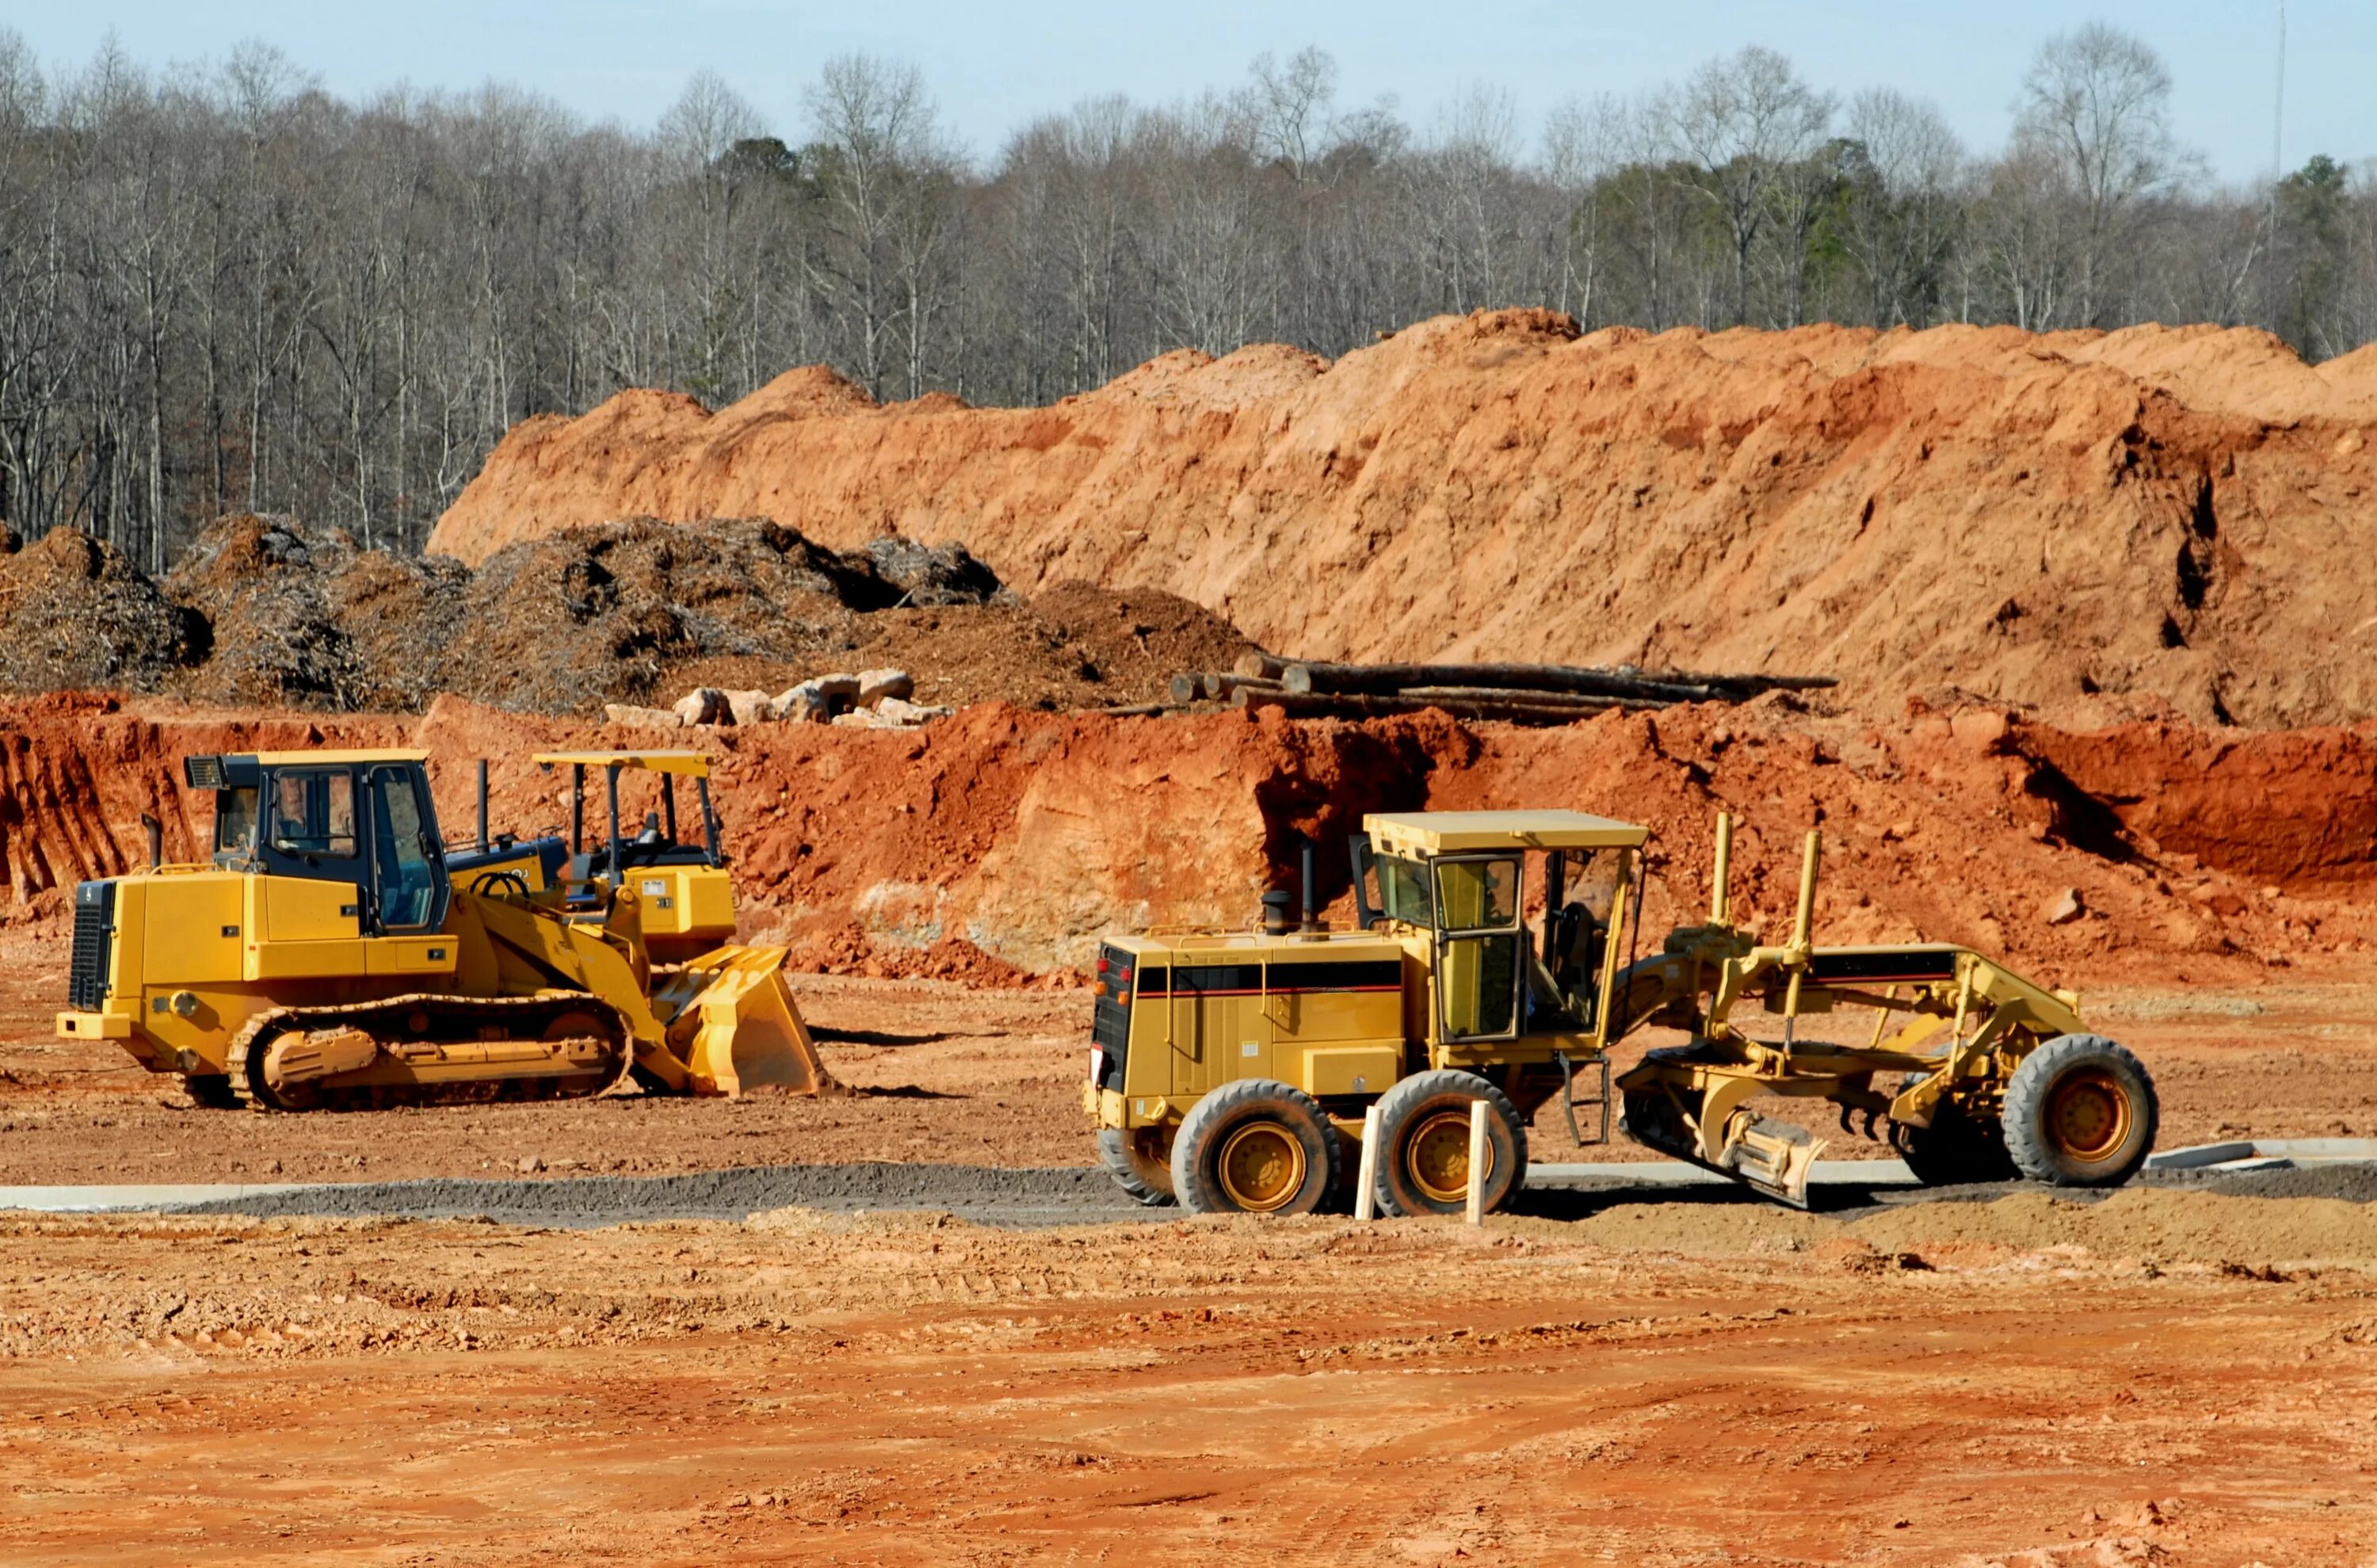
(1071, 646)
(2162, 516)
(1027, 835)
(75, 613)
(264, 613)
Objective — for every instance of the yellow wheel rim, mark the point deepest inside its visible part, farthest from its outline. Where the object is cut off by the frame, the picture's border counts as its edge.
(1436, 1156)
(2088, 1116)
(1261, 1166)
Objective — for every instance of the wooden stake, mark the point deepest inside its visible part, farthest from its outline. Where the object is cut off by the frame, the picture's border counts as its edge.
(1478, 1110)
(1365, 1195)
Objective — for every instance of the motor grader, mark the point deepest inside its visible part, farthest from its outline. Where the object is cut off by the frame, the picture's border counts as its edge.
(1233, 1071)
(336, 951)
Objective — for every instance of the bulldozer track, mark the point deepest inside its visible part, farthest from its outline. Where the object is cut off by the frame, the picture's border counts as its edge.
(244, 1058)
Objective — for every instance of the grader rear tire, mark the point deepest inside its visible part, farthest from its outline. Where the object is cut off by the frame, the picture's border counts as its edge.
(2081, 1111)
(1424, 1144)
(1129, 1158)
(1254, 1146)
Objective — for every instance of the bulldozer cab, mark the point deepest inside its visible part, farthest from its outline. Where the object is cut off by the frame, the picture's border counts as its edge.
(361, 817)
(1462, 878)
(680, 878)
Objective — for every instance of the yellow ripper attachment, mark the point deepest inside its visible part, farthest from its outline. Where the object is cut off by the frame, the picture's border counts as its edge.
(731, 1020)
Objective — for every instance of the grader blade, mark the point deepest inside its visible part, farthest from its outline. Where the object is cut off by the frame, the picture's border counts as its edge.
(734, 1022)
(1774, 1157)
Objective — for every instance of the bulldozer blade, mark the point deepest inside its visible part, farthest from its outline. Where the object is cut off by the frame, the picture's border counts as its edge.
(1774, 1157)
(734, 1020)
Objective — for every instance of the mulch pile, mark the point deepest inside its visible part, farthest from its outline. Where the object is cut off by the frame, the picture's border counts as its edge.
(264, 612)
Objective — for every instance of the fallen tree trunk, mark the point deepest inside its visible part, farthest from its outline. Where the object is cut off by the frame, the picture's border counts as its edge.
(1509, 707)
(1382, 679)
(1220, 685)
(1262, 666)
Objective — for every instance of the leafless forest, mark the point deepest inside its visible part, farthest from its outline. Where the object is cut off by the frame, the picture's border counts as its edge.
(222, 288)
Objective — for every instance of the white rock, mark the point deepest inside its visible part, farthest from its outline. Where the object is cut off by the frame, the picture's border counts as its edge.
(865, 719)
(649, 718)
(2063, 908)
(839, 684)
(874, 685)
(802, 704)
(748, 707)
(900, 712)
(704, 705)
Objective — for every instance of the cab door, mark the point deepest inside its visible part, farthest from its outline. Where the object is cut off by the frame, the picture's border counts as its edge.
(409, 890)
(1480, 965)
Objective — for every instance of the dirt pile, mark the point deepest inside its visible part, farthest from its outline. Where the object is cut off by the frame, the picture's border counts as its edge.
(75, 613)
(1024, 835)
(265, 612)
(2157, 516)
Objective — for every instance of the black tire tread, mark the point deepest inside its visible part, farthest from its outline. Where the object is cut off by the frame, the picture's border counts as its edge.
(1114, 1153)
(1955, 1150)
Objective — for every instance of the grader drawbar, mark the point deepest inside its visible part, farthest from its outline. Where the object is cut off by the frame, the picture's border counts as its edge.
(337, 953)
(1234, 1070)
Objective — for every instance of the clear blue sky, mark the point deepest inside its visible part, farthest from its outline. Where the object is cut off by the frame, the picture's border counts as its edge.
(993, 66)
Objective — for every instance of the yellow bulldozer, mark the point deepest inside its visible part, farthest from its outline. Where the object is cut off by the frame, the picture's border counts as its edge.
(336, 952)
(1232, 1070)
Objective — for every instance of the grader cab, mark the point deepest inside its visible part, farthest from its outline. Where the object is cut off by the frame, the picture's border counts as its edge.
(1230, 1069)
(336, 952)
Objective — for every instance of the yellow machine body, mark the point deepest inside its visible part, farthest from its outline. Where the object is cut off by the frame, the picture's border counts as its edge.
(336, 951)
(1446, 976)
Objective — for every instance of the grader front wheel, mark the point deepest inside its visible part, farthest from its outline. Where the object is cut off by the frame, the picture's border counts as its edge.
(2080, 1111)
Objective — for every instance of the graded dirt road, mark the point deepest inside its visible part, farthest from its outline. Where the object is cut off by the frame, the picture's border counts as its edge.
(2165, 1377)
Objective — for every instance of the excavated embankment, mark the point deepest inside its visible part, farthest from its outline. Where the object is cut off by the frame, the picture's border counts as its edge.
(2085, 524)
(1004, 840)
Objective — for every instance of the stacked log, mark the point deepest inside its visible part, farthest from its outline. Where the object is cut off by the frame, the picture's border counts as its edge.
(1526, 694)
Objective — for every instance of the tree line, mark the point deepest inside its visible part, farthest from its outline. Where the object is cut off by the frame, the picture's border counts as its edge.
(223, 288)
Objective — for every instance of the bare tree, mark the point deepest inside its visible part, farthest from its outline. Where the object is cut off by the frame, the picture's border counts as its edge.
(1745, 120)
(1902, 219)
(2095, 112)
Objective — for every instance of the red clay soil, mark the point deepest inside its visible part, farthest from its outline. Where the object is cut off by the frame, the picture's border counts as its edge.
(2082, 522)
(2165, 1377)
(1004, 841)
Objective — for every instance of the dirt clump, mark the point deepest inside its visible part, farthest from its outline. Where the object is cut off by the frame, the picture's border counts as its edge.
(2156, 518)
(75, 613)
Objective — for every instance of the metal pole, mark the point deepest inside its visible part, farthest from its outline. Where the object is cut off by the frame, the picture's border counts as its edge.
(1311, 910)
(483, 805)
(1718, 901)
(619, 877)
(576, 808)
(668, 803)
(709, 822)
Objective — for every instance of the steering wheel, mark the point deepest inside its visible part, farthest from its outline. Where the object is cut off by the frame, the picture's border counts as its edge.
(510, 881)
